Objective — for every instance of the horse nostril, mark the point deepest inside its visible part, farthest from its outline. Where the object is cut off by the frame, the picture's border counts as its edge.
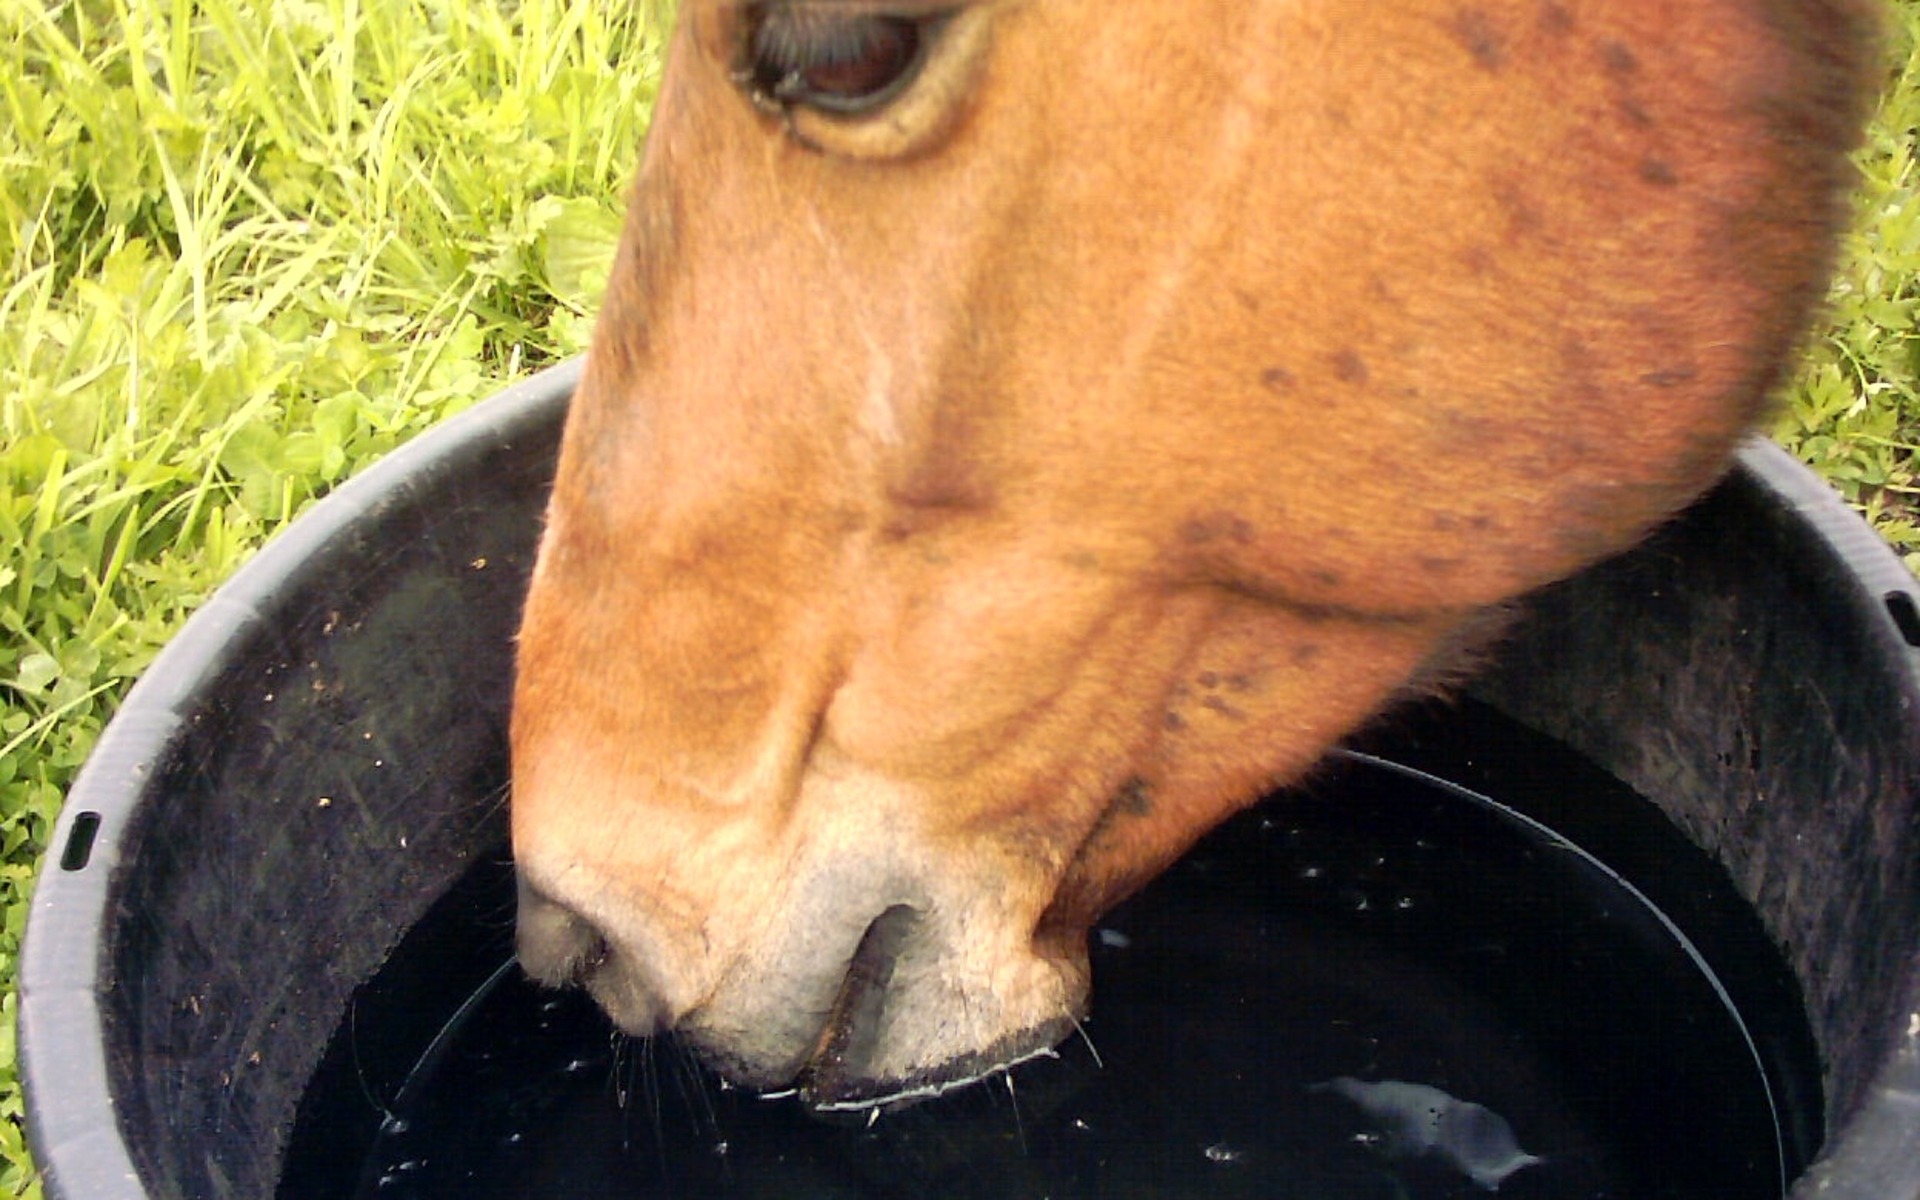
(596, 955)
(559, 948)
(853, 1024)
(554, 945)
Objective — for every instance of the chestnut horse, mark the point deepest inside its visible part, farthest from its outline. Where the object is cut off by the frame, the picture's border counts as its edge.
(1021, 432)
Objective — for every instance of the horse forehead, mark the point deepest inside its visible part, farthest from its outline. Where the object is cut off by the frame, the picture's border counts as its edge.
(1265, 97)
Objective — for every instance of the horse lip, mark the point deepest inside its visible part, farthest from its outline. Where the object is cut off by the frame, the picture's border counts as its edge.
(839, 1094)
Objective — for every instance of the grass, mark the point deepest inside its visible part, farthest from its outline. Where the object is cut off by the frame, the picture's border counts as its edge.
(251, 245)
(1853, 410)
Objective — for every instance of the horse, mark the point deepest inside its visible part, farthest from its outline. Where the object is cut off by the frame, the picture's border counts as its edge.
(1020, 433)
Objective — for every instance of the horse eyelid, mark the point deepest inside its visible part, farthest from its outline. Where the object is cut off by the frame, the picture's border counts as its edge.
(885, 114)
(847, 67)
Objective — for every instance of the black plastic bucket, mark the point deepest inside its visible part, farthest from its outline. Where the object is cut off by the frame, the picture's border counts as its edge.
(321, 754)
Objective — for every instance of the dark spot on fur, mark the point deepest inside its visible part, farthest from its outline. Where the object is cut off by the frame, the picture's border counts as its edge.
(1434, 565)
(1523, 215)
(1477, 259)
(1134, 799)
(1217, 705)
(1217, 527)
(1658, 172)
(1349, 367)
(1276, 379)
(1241, 685)
(1669, 377)
(1209, 679)
(1307, 652)
(1468, 429)
(1482, 38)
(1556, 19)
(1174, 721)
(1326, 577)
(1620, 62)
(1447, 522)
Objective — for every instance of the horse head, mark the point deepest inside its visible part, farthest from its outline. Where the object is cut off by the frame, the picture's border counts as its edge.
(1020, 432)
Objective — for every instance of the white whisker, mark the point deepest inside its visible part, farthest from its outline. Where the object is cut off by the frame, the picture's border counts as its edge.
(1091, 1048)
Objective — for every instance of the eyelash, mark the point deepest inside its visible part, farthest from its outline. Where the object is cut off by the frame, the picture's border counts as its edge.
(845, 63)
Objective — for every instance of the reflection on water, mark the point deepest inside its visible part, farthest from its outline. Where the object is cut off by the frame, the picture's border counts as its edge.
(1417, 1120)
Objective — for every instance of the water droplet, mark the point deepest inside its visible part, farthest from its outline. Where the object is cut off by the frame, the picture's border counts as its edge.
(1313, 872)
(720, 1149)
(1220, 1152)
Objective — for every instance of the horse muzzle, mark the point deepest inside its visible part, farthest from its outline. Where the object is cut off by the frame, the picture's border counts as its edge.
(849, 1011)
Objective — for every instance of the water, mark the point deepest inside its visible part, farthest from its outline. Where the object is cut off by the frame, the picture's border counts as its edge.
(1385, 986)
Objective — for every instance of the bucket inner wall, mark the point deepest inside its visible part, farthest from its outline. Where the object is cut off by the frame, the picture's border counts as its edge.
(1738, 673)
(346, 763)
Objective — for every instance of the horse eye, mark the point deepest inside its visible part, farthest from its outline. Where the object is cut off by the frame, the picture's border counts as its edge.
(834, 61)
